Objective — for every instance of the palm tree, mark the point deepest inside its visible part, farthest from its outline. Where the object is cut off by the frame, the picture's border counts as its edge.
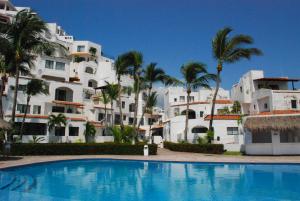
(90, 131)
(121, 68)
(25, 35)
(112, 91)
(104, 98)
(135, 60)
(229, 50)
(151, 102)
(34, 87)
(195, 75)
(3, 82)
(56, 121)
(152, 75)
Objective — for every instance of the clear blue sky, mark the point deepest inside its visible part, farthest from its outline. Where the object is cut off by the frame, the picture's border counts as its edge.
(172, 32)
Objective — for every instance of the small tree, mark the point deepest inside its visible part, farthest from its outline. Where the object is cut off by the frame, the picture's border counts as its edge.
(34, 87)
(90, 131)
(236, 108)
(93, 51)
(56, 121)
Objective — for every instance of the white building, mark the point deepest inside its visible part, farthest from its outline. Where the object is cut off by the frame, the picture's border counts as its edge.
(72, 78)
(226, 126)
(269, 101)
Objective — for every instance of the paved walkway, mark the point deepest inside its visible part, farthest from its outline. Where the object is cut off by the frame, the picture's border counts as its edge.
(163, 155)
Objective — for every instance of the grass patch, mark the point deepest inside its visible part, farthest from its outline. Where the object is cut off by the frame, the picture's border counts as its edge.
(233, 153)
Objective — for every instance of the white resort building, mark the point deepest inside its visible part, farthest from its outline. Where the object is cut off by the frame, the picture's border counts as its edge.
(272, 104)
(74, 80)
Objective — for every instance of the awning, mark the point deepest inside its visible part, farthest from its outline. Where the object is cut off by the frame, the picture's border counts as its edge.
(275, 122)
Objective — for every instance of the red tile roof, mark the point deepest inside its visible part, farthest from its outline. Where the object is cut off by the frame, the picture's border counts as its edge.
(280, 112)
(224, 117)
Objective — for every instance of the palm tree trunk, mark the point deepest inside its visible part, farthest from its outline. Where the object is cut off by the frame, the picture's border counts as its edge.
(3, 78)
(187, 115)
(24, 117)
(144, 109)
(105, 118)
(136, 102)
(13, 114)
(150, 132)
(214, 101)
(112, 112)
(120, 104)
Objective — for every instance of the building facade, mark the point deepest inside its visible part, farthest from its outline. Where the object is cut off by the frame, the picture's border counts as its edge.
(73, 75)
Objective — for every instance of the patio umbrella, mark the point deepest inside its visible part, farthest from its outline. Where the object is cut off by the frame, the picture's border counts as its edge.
(5, 125)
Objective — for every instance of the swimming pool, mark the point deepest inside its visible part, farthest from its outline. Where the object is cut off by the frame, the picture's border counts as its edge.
(125, 180)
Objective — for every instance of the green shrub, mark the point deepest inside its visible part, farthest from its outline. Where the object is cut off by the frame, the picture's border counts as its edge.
(23, 149)
(195, 148)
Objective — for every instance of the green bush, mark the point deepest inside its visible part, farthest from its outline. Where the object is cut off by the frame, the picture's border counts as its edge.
(195, 148)
(23, 149)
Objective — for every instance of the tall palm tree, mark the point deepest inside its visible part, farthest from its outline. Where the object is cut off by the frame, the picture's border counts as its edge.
(56, 121)
(3, 82)
(34, 87)
(121, 68)
(25, 35)
(104, 98)
(112, 91)
(152, 74)
(229, 50)
(195, 75)
(151, 102)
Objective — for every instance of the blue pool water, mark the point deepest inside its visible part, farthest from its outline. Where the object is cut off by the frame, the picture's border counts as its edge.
(114, 180)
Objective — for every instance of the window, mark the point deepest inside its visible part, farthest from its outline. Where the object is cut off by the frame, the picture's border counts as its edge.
(199, 129)
(150, 121)
(22, 87)
(80, 48)
(73, 131)
(294, 104)
(49, 64)
(201, 113)
(175, 99)
(241, 89)
(36, 109)
(123, 104)
(290, 136)
(266, 105)
(262, 137)
(21, 108)
(89, 70)
(232, 130)
(182, 98)
(60, 95)
(130, 122)
(117, 119)
(58, 109)
(254, 106)
(191, 99)
(142, 121)
(33, 128)
(59, 131)
(100, 116)
(124, 117)
(60, 66)
(131, 107)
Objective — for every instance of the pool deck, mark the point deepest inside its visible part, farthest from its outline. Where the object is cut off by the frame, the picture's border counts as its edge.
(163, 155)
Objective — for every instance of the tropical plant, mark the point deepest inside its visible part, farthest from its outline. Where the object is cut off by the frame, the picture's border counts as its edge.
(195, 75)
(152, 75)
(36, 139)
(59, 120)
(78, 59)
(126, 136)
(112, 91)
(151, 102)
(229, 50)
(25, 37)
(116, 132)
(34, 87)
(121, 68)
(93, 51)
(90, 131)
(236, 107)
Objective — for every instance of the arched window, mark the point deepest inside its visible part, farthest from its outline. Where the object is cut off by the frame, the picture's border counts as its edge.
(191, 114)
(92, 83)
(199, 129)
(89, 70)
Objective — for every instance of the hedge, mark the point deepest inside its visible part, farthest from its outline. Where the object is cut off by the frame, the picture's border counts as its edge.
(195, 148)
(23, 149)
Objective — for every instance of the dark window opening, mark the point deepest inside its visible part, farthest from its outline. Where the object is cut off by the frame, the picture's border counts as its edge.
(73, 131)
(59, 131)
